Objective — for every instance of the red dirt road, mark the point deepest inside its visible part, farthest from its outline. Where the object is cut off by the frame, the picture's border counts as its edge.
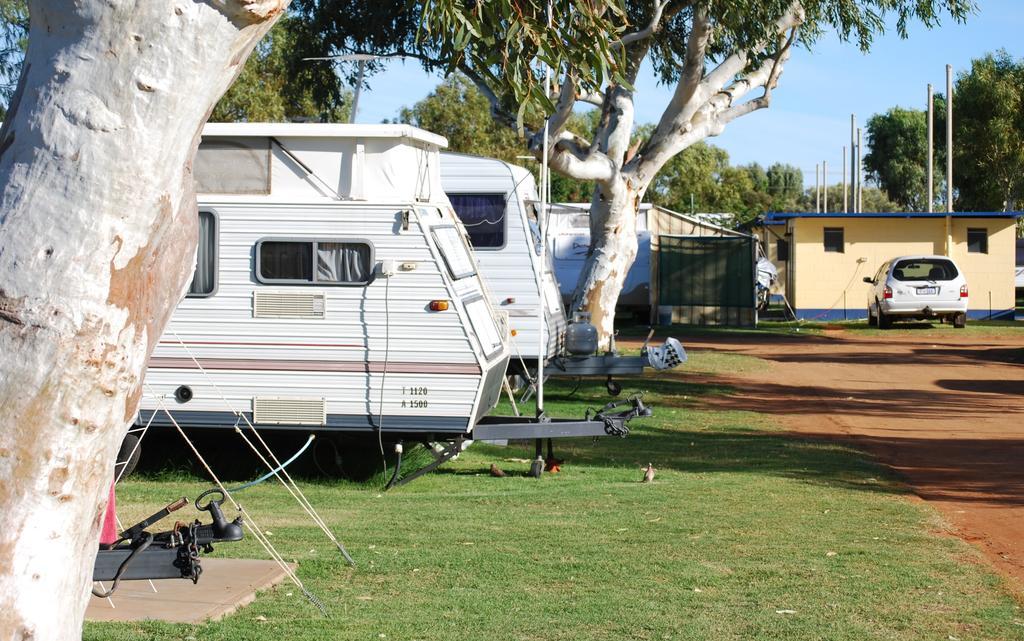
(947, 413)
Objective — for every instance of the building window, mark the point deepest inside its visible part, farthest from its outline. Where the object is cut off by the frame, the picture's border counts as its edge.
(834, 240)
(320, 262)
(782, 250)
(483, 216)
(977, 241)
(204, 279)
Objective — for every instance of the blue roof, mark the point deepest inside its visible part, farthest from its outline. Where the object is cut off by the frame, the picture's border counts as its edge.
(776, 217)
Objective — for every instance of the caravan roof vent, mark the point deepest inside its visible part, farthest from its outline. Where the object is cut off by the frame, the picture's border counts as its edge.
(289, 411)
(287, 305)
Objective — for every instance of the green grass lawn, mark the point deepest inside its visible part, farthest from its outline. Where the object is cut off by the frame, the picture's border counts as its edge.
(746, 533)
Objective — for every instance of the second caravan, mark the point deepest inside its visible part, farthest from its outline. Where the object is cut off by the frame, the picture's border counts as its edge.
(496, 202)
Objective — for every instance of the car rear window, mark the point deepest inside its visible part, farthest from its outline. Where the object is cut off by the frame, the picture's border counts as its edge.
(924, 269)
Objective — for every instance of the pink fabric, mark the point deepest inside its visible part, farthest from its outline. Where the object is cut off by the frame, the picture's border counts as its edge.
(109, 532)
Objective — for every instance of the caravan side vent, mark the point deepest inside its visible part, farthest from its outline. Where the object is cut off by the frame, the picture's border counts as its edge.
(289, 411)
(287, 305)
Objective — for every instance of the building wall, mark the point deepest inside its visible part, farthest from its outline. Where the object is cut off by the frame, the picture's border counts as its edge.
(829, 285)
(991, 273)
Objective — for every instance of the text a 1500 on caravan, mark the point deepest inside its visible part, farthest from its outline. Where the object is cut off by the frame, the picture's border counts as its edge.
(336, 293)
(498, 203)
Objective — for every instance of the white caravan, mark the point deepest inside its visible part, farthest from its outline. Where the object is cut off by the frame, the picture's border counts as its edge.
(497, 203)
(334, 290)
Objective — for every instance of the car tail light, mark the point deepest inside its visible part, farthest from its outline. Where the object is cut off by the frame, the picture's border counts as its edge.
(887, 292)
(963, 291)
(438, 305)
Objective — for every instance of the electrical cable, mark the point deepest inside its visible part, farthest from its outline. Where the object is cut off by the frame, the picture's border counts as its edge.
(274, 471)
(147, 539)
(384, 375)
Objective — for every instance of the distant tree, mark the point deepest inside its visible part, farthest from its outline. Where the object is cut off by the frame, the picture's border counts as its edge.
(786, 186)
(897, 156)
(875, 200)
(458, 111)
(277, 86)
(988, 121)
(701, 179)
(13, 40)
(691, 177)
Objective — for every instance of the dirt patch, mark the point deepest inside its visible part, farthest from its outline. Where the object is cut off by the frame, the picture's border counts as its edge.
(947, 414)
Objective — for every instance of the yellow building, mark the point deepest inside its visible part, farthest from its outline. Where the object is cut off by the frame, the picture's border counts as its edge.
(823, 258)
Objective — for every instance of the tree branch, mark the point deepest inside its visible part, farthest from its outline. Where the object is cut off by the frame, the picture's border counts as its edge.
(567, 157)
(653, 26)
(712, 104)
(689, 80)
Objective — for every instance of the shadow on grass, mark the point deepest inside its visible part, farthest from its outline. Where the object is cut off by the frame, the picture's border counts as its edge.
(681, 438)
(741, 451)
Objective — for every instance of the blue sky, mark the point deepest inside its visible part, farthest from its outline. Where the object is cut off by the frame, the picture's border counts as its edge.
(809, 120)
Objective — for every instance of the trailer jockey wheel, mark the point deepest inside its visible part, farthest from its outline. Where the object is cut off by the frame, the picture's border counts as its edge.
(537, 467)
(127, 456)
(613, 387)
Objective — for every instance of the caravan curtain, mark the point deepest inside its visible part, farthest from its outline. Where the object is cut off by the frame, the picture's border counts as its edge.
(483, 216)
(205, 278)
(343, 262)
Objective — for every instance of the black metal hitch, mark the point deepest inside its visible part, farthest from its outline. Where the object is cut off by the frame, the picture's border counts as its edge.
(139, 554)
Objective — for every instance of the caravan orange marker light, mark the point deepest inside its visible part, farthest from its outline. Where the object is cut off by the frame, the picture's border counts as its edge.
(438, 305)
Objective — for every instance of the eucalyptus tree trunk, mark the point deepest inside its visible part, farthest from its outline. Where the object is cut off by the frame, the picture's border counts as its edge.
(613, 247)
(97, 245)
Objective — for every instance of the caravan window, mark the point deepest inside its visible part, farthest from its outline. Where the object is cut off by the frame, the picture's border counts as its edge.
(483, 216)
(454, 251)
(326, 261)
(204, 280)
(483, 324)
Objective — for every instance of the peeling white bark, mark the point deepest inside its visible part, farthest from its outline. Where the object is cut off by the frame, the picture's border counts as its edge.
(97, 244)
(613, 247)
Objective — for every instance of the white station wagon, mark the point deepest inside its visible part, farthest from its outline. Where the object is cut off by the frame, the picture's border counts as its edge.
(917, 287)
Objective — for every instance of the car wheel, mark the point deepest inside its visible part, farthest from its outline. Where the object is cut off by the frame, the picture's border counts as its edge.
(960, 320)
(884, 321)
(872, 320)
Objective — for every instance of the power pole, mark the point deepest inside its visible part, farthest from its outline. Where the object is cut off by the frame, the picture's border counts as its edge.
(853, 162)
(846, 207)
(931, 149)
(860, 172)
(949, 160)
(817, 188)
(824, 177)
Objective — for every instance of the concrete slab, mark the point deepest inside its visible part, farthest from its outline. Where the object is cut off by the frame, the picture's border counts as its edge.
(225, 586)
